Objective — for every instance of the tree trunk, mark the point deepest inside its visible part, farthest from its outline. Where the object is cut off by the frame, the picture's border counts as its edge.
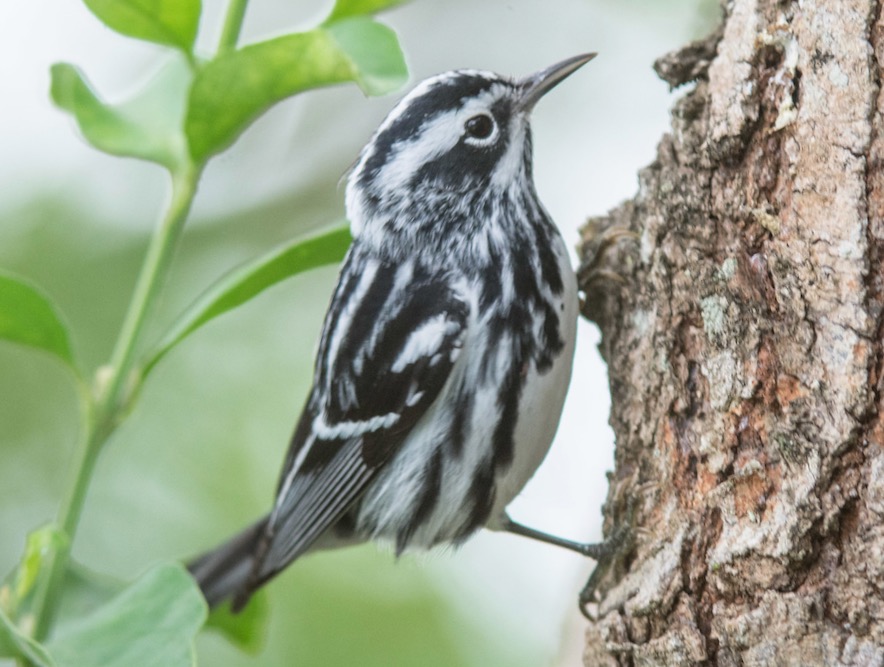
(745, 354)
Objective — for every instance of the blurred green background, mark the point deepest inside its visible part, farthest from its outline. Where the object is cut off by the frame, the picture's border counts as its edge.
(199, 457)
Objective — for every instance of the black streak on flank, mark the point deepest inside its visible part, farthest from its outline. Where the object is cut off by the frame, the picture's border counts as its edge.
(429, 498)
(492, 273)
(460, 422)
(553, 341)
(480, 501)
(549, 267)
(508, 401)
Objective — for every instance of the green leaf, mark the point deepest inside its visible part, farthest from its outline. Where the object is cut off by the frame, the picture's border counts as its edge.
(15, 644)
(148, 126)
(247, 629)
(249, 280)
(28, 317)
(232, 90)
(347, 8)
(150, 624)
(85, 591)
(170, 22)
(373, 51)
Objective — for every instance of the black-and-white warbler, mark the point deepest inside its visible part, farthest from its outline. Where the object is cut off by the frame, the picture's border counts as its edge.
(447, 348)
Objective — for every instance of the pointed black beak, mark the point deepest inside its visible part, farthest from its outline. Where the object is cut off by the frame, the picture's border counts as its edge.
(538, 84)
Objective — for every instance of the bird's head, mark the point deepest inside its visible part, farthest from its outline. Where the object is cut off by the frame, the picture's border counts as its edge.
(455, 137)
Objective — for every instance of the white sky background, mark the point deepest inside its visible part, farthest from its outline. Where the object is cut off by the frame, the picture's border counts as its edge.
(591, 135)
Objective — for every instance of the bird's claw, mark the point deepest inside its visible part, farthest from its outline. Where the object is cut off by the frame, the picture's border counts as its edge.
(605, 558)
(618, 545)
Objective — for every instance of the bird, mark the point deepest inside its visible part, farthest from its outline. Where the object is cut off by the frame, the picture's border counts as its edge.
(447, 348)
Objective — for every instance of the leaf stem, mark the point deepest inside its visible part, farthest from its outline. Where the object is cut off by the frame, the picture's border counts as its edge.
(47, 597)
(115, 386)
(232, 25)
(156, 263)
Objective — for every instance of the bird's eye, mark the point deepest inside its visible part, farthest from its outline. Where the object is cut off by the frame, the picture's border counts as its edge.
(480, 127)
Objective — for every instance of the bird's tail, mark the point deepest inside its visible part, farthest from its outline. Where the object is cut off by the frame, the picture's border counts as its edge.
(224, 571)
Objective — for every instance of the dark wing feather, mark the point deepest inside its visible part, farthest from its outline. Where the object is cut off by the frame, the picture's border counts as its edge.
(381, 364)
(312, 503)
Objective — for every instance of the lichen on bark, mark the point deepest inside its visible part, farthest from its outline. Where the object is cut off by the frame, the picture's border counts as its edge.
(745, 354)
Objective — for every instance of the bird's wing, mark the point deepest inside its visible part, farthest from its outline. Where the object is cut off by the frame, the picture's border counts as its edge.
(389, 342)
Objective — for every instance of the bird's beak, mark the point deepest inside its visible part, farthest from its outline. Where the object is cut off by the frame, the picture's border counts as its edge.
(538, 84)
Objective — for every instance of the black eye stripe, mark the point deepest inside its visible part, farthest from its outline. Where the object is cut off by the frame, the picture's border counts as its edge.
(480, 126)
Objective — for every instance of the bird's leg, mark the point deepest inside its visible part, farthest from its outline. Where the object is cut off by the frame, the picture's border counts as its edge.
(596, 551)
(602, 552)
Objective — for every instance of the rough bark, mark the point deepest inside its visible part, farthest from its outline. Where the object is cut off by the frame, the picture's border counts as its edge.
(745, 354)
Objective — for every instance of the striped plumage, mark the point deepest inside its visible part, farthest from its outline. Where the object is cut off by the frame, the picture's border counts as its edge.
(447, 347)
